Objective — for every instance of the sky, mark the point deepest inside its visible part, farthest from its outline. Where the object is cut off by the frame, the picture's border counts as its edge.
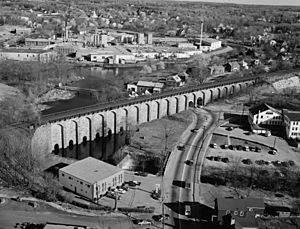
(257, 2)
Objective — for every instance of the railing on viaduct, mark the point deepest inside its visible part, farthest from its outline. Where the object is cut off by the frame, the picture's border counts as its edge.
(126, 102)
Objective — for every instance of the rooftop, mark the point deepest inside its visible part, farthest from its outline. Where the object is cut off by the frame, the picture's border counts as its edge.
(262, 107)
(239, 204)
(292, 115)
(91, 170)
(63, 226)
(25, 50)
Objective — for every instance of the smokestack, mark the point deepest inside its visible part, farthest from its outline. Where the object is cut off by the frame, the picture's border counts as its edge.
(201, 35)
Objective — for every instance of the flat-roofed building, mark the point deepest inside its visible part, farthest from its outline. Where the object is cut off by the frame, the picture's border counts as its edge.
(41, 42)
(23, 31)
(292, 123)
(63, 226)
(91, 178)
(28, 55)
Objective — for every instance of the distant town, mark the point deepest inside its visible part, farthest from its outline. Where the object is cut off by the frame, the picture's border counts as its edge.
(148, 114)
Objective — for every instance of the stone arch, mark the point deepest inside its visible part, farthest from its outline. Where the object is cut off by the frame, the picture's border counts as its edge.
(102, 125)
(219, 93)
(114, 122)
(225, 90)
(109, 133)
(62, 142)
(168, 107)
(185, 102)
(232, 90)
(177, 104)
(194, 98)
(137, 115)
(148, 112)
(158, 109)
(191, 104)
(211, 95)
(200, 101)
(90, 128)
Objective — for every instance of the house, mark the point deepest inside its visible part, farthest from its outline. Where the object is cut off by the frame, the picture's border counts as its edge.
(217, 70)
(232, 67)
(149, 86)
(63, 226)
(91, 178)
(291, 123)
(265, 114)
(40, 42)
(280, 211)
(174, 81)
(23, 31)
(28, 55)
(234, 211)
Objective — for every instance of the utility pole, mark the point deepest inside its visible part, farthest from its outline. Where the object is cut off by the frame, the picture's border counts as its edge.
(274, 142)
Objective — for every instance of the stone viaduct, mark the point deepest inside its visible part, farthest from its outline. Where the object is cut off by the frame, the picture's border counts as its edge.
(80, 126)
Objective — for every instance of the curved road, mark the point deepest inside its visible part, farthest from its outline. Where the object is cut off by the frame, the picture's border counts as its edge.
(179, 170)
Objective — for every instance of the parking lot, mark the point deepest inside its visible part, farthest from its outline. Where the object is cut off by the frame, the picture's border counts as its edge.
(237, 146)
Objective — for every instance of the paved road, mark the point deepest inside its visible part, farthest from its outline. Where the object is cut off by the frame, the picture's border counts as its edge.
(9, 218)
(179, 170)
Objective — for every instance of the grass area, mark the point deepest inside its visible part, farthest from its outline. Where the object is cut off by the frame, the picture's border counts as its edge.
(154, 136)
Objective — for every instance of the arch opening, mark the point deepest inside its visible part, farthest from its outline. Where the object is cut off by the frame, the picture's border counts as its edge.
(97, 138)
(109, 133)
(121, 130)
(200, 102)
(56, 149)
(71, 145)
(84, 141)
(191, 104)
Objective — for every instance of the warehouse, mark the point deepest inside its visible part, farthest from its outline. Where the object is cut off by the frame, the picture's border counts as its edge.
(91, 178)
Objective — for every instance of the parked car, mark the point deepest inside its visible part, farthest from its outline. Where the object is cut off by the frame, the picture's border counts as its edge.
(145, 222)
(194, 130)
(134, 183)
(252, 148)
(155, 195)
(217, 158)
(260, 162)
(213, 145)
(140, 173)
(291, 163)
(232, 147)
(257, 149)
(247, 161)
(225, 160)
(160, 218)
(230, 128)
(120, 190)
(246, 148)
(224, 146)
(189, 162)
(273, 151)
(180, 147)
(276, 163)
(239, 147)
(187, 211)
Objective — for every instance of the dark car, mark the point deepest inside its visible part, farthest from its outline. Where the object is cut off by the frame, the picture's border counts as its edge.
(140, 173)
(252, 148)
(257, 149)
(155, 195)
(180, 147)
(247, 161)
(260, 162)
(134, 183)
(230, 128)
(160, 218)
(225, 160)
(239, 147)
(232, 147)
(291, 163)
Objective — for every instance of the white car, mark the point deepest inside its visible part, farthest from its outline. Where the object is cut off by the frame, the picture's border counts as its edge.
(145, 222)
(120, 190)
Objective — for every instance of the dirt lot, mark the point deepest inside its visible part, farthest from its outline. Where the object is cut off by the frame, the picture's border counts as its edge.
(152, 135)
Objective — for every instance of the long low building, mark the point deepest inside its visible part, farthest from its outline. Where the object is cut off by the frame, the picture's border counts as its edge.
(27, 55)
(91, 178)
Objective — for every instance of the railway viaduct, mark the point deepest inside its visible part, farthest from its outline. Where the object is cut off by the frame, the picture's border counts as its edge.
(71, 128)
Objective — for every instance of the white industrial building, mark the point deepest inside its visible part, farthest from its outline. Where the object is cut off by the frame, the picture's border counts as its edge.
(292, 123)
(91, 178)
(28, 55)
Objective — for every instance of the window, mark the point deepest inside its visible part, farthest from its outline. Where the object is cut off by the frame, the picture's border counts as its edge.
(63, 174)
(241, 213)
(236, 213)
(81, 182)
(88, 185)
(70, 178)
(261, 116)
